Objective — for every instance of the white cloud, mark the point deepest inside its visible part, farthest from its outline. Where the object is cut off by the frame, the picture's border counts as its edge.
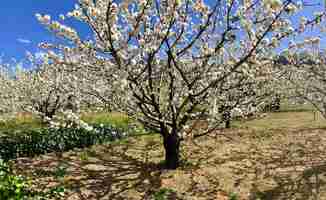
(24, 41)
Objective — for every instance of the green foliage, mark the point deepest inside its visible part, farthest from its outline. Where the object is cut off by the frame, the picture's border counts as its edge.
(84, 156)
(12, 186)
(35, 142)
(163, 194)
(16, 187)
(233, 196)
(186, 163)
(56, 192)
(60, 171)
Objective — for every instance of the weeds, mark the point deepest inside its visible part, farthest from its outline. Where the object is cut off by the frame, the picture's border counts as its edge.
(16, 187)
(233, 196)
(163, 194)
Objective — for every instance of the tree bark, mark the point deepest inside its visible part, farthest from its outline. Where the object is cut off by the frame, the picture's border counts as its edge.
(171, 146)
(228, 123)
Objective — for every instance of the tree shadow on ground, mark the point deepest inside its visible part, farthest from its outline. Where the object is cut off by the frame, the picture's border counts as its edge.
(292, 167)
(271, 166)
(105, 172)
(309, 184)
(276, 166)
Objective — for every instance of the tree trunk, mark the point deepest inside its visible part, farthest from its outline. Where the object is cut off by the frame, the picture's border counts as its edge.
(227, 117)
(171, 146)
(228, 123)
(50, 114)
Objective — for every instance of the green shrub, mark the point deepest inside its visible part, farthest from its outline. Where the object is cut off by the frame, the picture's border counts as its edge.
(35, 142)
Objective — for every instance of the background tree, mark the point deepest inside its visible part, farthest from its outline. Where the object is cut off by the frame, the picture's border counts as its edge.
(306, 73)
(247, 91)
(45, 89)
(98, 84)
(8, 97)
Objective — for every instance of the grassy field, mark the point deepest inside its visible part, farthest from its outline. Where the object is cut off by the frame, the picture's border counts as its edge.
(285, 120)
(20, 122)
(116, 119)
(281, 156)
(25, 121)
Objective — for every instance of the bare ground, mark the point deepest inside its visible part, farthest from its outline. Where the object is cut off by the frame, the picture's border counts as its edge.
(269, 163)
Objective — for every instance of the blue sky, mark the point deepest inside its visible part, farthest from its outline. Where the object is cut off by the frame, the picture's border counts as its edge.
(21, 32)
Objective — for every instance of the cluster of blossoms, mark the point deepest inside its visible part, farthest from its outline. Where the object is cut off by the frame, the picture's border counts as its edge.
(69, 119)
(272, 5)
(58, 28)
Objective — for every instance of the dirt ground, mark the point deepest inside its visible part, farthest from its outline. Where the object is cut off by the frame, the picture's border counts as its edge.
(286, 163)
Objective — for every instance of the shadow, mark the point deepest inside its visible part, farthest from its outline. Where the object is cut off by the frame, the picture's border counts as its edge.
(294, 168)
(109, 171)
(310, 184)
(285, 166)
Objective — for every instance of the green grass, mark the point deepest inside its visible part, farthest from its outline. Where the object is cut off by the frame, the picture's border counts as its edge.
(21, 123)
(119, 120)
(287, 107)
(29, 122)
(298, 119)
(290, 116)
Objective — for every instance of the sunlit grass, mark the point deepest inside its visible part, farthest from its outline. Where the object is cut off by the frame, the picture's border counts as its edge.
(21, 122)
(116, 119)
(288, 107)
(298, 119)
(290, 116)
(30, 122)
